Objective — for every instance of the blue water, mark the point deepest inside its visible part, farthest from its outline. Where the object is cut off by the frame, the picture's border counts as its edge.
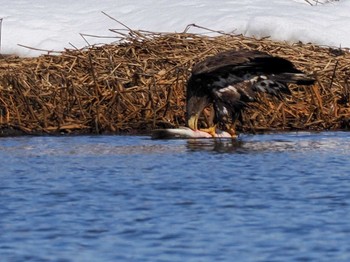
(274, 197)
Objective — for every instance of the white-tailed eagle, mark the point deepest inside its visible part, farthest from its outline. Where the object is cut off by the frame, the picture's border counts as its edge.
(230, 80)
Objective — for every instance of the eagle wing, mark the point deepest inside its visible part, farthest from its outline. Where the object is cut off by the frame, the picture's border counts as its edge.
(232, 79)
(259, 71)
(244, 60)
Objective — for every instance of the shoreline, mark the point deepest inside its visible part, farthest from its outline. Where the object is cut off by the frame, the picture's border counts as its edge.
(139, 84)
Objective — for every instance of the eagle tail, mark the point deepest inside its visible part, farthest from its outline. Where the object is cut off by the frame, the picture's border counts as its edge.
(294, 78)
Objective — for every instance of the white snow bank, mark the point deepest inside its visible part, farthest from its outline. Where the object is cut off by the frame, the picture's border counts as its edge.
(53, 25)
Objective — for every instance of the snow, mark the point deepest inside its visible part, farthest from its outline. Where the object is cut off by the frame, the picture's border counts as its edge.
(58, 24)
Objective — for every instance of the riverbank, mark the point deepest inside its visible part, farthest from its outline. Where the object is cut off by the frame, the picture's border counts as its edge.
(138, 84)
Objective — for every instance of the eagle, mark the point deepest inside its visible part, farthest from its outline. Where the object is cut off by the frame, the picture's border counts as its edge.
(230, 80)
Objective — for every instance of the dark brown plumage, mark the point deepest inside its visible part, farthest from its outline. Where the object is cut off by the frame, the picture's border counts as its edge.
(232, 79)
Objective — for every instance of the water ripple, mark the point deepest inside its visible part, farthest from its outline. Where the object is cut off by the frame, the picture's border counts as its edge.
(272, 197)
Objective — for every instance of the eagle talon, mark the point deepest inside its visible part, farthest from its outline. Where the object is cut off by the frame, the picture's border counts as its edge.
(233, 133)
(210, 130)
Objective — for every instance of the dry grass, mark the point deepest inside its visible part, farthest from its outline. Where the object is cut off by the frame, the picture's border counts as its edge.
(138, 84)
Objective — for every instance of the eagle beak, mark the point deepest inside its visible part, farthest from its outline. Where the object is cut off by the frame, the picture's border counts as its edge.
(194, 108)
(192, 122)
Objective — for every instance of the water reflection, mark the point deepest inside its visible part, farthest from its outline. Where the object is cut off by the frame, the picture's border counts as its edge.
(288, 142)
(339, 142)
(215, 145)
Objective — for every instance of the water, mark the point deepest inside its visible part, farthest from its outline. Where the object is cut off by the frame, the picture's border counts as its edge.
(275, 197)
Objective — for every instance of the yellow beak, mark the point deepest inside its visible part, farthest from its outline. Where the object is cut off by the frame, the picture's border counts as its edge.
(192, 122)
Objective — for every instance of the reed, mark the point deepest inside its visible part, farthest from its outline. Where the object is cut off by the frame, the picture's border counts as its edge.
(138, 84)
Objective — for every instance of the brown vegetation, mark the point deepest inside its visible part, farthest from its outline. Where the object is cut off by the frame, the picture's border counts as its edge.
(138, 84)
